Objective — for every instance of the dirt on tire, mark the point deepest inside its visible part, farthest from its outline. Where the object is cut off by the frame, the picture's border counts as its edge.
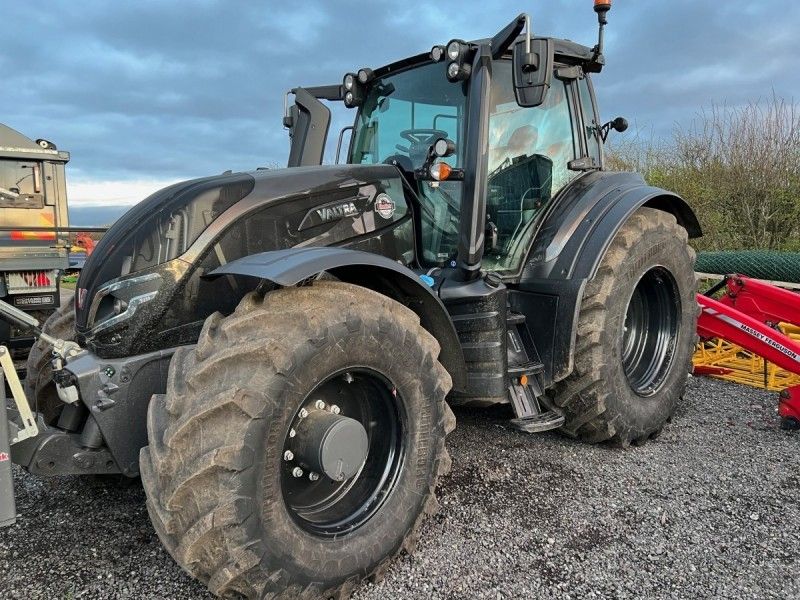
(39, 387)
(212, 470)
(598, 402)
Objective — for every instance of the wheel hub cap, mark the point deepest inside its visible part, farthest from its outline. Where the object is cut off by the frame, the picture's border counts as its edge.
(332, 444)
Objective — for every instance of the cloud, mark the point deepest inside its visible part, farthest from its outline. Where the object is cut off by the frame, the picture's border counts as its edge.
(119, 192)
(155, 91)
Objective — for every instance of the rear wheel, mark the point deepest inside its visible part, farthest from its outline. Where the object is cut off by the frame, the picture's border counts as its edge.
(636, 334)
(298, 446)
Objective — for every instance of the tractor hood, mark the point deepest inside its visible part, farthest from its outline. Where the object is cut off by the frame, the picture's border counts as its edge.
(175, 235)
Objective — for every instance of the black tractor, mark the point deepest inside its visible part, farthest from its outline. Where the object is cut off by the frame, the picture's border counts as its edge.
(276, 352)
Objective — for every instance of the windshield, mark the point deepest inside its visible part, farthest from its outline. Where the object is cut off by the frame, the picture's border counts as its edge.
(402, 112)
(401, 116)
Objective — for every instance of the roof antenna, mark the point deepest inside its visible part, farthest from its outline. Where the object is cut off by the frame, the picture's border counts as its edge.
(601, 7)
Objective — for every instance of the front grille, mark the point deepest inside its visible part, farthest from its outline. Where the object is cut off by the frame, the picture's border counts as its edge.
(25, 282)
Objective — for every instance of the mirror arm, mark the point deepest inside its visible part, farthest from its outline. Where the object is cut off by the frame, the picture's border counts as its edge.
(502, 41)
(604, 130)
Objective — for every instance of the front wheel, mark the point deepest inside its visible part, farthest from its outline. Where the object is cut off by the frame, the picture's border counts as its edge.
(39, 387)
(636, 334)
(298, 446)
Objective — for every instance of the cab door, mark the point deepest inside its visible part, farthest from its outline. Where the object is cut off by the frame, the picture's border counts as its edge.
(529, 154)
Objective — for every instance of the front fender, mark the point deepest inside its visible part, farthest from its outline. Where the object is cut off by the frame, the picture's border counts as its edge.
(373, 271)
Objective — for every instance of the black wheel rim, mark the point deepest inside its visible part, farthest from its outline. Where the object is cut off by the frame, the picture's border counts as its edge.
(321, 505)
(651, 331)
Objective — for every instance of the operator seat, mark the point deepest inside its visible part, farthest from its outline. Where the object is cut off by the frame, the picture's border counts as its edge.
(520, 186)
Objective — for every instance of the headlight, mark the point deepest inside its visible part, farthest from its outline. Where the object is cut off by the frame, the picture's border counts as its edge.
(349, 81)
(437, 53)
(365, 76)
(453, 69)
(118, 301)
(454, 50)
(458, 72)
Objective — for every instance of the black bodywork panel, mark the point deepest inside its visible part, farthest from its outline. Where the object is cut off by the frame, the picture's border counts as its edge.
(570, 243)
(273, 214)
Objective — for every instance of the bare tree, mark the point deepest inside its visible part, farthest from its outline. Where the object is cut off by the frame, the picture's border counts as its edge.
(739, 167)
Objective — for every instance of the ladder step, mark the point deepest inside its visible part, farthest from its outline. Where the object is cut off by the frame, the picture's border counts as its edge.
(514, 318)
(544, 421)
(527, 368)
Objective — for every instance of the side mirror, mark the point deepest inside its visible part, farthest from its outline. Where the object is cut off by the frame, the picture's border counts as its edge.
(308, 121)
(619, 124)
(533, 70)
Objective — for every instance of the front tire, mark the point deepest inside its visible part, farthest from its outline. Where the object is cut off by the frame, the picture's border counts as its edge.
(636, 334)
(39, 387)
(241, 514)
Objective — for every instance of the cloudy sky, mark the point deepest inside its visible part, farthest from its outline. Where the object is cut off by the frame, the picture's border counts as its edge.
(149, 92)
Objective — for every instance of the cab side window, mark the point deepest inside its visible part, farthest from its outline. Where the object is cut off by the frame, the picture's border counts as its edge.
(590, 122)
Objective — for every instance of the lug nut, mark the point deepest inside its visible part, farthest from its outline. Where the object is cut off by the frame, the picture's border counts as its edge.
(288, 455)
(348, 378)
(303, 413)
(320, 404)
(292, 433)
(335, 409)
(313, 476)
(297, 472)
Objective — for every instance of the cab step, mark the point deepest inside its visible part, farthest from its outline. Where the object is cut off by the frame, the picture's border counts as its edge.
(544, 421)
(533, 411)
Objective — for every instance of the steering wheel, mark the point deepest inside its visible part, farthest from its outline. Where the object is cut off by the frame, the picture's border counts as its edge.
(420, 137)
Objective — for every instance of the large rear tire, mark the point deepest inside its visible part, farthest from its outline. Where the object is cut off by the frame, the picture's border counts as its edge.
(636, 334)
(232, 489)
(39, 387)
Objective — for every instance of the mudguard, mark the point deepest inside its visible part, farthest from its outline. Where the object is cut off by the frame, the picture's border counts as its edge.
(567, 251)
(290, 267)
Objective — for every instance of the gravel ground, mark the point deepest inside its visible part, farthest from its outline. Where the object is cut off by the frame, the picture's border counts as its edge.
(709, 509)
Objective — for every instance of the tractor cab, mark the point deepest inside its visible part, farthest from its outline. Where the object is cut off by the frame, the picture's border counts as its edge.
(528, 153)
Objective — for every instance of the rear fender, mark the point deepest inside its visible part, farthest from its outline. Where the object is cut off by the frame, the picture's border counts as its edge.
(290, 267)
(568, 250)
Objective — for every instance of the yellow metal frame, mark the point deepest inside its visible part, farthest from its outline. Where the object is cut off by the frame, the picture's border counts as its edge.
(747, 368)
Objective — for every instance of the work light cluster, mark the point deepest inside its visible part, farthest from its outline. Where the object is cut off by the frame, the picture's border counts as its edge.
(457, 52)
(354, 85)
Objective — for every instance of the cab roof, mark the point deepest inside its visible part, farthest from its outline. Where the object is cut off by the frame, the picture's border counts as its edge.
(566, 51)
